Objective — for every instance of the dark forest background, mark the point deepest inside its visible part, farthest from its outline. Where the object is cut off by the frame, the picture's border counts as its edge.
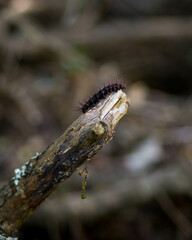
(53, 55)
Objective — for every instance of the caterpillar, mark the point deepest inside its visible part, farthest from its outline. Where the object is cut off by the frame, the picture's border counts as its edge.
(101, 94)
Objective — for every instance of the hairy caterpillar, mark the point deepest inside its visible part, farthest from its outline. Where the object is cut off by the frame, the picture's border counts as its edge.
(101, 94)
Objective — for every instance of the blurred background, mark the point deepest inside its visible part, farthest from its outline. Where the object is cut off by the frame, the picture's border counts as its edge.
(53, 54)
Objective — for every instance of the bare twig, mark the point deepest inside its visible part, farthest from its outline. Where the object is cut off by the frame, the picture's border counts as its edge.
(42, 173)
(175, 214)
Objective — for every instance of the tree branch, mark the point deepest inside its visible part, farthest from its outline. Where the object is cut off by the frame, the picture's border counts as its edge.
(42, 173)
